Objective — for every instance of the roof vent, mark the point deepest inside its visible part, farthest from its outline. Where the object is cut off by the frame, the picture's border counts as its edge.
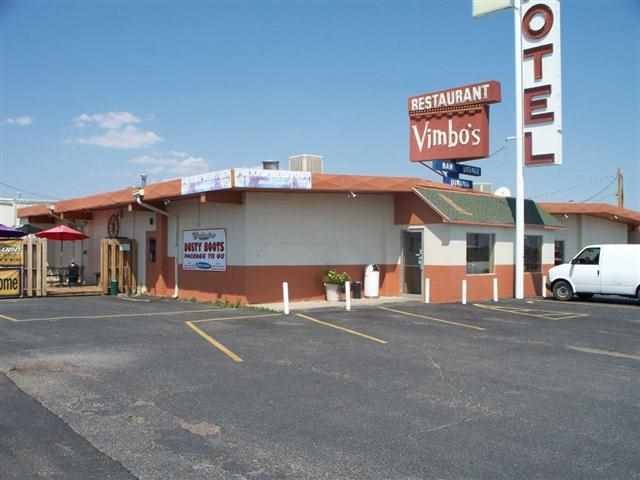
(306, 162)
(271, 165)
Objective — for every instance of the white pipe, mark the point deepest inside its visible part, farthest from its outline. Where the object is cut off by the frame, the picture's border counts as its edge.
(427, 290)
(495, 289)
(464, 292)
(347, 296)
(544, 286)
(519, 230)
(176, 289)
(285, 297)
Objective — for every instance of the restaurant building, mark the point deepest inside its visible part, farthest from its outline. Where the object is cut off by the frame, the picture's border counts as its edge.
(237, 234)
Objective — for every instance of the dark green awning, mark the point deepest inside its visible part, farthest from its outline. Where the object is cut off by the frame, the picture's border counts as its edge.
(460, 207)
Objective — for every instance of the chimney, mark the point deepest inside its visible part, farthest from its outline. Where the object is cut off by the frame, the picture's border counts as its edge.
(271, 165)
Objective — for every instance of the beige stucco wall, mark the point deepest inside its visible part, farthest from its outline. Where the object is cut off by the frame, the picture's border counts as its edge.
(446, 245)
(297, 229)
(585, 230)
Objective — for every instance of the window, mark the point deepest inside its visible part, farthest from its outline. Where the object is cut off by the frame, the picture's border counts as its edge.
(152, 250)
(532, 253)
(480, 252)
(559, 252)
(589, 256)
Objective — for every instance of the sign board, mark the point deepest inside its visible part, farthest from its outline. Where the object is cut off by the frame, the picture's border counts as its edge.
(10, 283)
(457, 168)
(483, 7)
(260, 178)
(206, 182)
(457, 182)
(204, 250)
(11, 253)
(541, 82)
(451, 124)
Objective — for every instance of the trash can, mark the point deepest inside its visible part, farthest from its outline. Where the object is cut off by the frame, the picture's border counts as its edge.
(356, 290)
(113, 290)
(372, 281)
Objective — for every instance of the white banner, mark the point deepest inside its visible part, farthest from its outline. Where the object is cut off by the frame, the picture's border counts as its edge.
(204, 250)
(541, 82)
(206, 182)
(260, 178)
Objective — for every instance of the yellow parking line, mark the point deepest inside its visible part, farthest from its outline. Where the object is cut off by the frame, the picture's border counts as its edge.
(120, 315)
(608, 353)
(434, 319)
(215, 343)
(597, 304)
(530, 312)
(240, 317)
(343, 329)
(7, 317)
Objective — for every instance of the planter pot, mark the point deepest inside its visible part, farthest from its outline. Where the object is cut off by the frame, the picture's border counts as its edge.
(332, 291)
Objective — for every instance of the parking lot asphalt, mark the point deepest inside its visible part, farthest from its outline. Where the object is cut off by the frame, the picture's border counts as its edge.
(163, 389)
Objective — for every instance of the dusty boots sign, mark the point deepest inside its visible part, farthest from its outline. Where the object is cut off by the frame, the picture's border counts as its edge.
(451, 124)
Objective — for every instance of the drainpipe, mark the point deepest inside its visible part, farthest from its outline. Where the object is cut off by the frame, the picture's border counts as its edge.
(139, 195)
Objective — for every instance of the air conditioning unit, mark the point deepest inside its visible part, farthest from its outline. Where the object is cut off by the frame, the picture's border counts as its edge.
(306, 162)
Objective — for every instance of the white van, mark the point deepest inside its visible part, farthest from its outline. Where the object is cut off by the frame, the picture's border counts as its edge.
(609, 269)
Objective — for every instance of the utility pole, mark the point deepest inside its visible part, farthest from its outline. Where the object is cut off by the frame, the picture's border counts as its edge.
(620, 188)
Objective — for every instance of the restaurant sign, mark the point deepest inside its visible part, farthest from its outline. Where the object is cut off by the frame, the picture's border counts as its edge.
(204, 250)
(11, 253)
(451, 124)
(10, 283)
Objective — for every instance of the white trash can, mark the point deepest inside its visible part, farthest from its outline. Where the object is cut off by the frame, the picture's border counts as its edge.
(372, 281)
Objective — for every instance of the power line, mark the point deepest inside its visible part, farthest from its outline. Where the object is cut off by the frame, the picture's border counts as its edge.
(613, 179)
(23, 190)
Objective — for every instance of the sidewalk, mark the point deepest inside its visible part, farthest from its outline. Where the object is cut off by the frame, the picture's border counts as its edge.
(314, 304)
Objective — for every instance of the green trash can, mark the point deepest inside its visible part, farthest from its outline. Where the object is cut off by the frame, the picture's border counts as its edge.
(113, 290)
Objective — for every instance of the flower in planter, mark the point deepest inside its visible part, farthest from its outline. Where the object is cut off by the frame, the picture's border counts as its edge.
(332, 277)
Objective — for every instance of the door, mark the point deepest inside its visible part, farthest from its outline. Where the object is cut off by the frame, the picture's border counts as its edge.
(585, 271)
(412, 262)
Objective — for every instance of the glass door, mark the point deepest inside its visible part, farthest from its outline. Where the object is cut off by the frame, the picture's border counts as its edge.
(412, 262)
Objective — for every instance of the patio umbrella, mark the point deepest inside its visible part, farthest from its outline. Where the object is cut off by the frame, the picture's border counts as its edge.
(29, 228)
(62, 233)
(10, 232)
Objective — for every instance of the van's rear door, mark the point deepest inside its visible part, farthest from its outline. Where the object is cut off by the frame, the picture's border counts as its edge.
(619, 269)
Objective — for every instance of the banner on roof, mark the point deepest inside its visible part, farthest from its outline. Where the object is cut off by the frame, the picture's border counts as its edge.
(260, 178)
(206, 182)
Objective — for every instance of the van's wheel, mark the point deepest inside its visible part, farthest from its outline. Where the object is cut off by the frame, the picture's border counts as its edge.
(562, 290)
(585, 296)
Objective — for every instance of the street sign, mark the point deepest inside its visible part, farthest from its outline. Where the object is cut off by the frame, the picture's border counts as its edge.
(458, 168)
(457, 182)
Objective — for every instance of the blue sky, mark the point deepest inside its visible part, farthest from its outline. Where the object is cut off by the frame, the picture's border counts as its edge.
(94, 92)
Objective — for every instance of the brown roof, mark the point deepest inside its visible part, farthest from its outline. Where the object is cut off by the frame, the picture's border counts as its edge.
(602, 210)
(322, 182)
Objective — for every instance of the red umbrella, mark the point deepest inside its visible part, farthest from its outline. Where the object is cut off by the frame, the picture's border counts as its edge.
(61, 232)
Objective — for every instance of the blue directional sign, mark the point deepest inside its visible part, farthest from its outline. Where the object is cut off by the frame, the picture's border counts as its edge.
(457, 182)
(457, 168)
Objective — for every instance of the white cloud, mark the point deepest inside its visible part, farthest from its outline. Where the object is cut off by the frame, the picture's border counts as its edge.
(174, 164)
(123, 138)
(22, 121)
(109, 120)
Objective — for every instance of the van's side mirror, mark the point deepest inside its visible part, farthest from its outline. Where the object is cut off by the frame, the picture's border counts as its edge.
(574, 261)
